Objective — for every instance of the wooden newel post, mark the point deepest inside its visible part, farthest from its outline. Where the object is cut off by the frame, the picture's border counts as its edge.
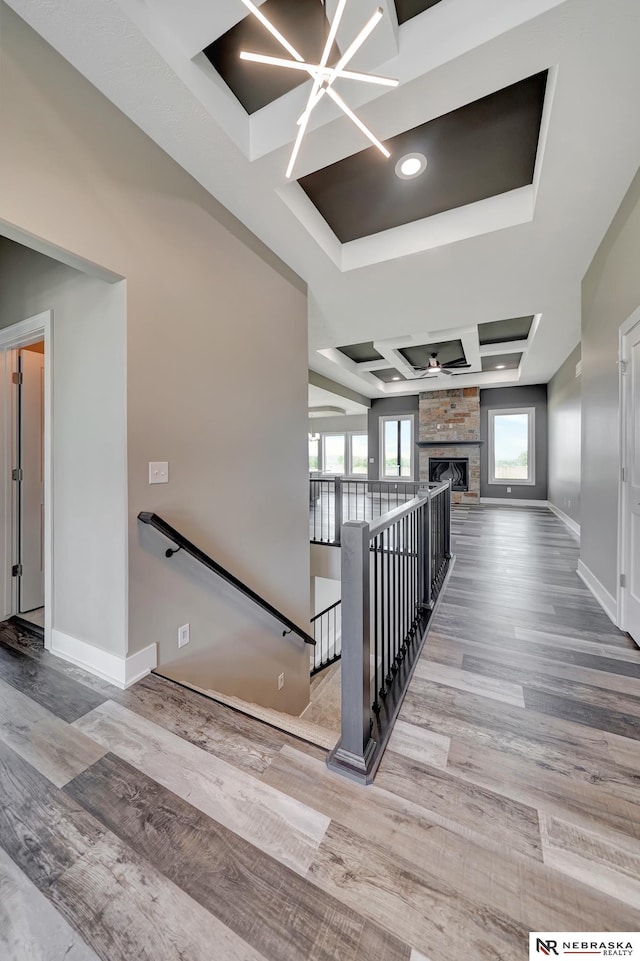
(354, 753)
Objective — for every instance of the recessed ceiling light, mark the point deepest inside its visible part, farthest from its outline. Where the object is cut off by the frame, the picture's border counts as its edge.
(500, 366)
(395, 378)
(411, 165)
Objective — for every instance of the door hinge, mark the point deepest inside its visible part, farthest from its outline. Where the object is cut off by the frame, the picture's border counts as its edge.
(16, 474)
(622, 469)
(623, 580)
(16, 378)
(623, 366)
(16, 570)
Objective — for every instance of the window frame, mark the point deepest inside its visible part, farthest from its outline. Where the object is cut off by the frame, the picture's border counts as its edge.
(348, 455)
(323, 436)
(412, 456)
(530, 481)
(349, 437)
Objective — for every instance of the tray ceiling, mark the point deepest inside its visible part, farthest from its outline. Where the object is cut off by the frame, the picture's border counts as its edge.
(481, 150)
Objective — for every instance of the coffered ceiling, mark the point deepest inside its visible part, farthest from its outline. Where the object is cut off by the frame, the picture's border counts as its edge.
(525, 112)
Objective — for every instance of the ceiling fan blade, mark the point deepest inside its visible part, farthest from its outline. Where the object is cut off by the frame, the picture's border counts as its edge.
(447, 372)
(460, 362)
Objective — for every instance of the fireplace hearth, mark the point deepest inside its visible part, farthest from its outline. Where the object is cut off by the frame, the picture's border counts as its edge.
(455, 469)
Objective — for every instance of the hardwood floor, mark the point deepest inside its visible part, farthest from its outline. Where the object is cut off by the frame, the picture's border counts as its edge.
(156, 824)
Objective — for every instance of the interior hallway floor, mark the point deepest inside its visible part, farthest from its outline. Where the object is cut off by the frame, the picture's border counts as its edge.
(155, 824)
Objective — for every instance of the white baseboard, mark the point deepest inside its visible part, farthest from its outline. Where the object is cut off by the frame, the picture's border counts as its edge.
(606, 600)
(569, 521)
(513, 502)
(121, 671)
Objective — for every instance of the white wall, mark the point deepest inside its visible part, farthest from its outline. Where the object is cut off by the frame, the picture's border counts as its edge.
(610, 294)
(564, 412)
(88, 438)
(217, 368)
(333, 425)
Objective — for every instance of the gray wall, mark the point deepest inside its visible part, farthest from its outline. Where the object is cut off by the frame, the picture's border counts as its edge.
(610, 294)
(216, 343)
(564, 412)
(505, 398)
(384, 407)
(328, 425)
(88, 438)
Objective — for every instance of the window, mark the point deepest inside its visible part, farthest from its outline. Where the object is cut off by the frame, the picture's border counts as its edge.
(314, 445)
(512, 446)
(358, 455)
(340, 453)
(396, 447)
(333, 453)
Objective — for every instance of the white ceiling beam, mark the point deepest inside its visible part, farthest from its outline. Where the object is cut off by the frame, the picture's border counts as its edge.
(508, 347)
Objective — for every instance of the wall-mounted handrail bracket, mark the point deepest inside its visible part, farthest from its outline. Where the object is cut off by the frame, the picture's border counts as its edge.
(153, 520)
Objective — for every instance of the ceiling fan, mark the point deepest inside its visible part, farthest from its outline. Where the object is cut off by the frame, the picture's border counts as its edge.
(435, 367)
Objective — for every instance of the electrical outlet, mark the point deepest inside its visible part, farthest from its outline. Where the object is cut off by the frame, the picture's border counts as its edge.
(159, 472)
(508, 490)
(183, 635)
(280, 681)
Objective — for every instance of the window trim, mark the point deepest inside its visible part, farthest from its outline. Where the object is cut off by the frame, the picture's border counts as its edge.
(512, 482)
(348, 471)
(350, 434)
(412, 456)
(333, 433)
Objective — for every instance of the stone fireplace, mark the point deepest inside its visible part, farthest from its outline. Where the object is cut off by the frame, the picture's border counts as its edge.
(449, 436)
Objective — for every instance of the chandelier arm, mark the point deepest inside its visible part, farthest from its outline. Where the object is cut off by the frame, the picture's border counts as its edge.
(366, 78)
(348, 55)
(296, 147)
(349, 75)
(353, 48)
(272, 30)
(313, 100)
(310, 68)
(356, 120)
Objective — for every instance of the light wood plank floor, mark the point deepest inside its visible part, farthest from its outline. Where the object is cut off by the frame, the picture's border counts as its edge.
(156, 824)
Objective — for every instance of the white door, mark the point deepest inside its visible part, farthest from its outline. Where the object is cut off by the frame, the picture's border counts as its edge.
(31, 485)
(631, 463)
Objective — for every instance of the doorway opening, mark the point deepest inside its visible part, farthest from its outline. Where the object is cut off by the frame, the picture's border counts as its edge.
(628, 600)
(28, 479)
(25, 555)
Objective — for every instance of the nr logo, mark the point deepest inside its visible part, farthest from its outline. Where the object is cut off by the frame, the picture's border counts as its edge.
(546, 947)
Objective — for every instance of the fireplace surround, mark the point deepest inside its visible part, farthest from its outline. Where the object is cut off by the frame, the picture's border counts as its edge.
(450, 431)
(455, 469)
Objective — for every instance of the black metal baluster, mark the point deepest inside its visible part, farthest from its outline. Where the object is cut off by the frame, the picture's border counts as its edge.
(376, 624)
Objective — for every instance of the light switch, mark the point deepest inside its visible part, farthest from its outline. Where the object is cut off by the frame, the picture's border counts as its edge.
(159, 472)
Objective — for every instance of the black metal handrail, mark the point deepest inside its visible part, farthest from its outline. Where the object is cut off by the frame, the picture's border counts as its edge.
(186, 545)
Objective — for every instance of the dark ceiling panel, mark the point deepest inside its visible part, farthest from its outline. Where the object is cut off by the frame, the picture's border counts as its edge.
(255, 85)
(503, 331)
(407, 9)
(480, 150)
(502, 362)
(388, 374)
(361, 353)
(447, 351)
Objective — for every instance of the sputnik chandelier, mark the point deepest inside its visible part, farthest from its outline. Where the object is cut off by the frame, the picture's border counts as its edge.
(323, 76)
